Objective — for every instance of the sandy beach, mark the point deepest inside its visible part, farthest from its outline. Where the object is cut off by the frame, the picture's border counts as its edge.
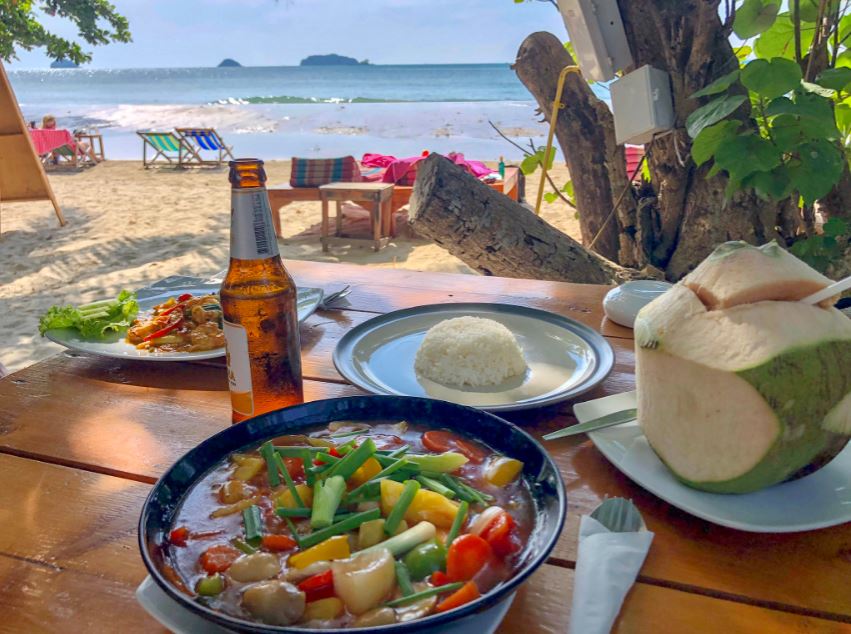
(128, 227)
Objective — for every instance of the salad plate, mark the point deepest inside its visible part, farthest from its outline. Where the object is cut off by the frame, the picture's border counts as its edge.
(818, 500)
(115, 346)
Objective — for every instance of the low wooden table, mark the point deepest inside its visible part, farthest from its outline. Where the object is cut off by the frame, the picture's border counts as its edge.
(83, 438)
(95, 142)
(282, 195)
(376, 197)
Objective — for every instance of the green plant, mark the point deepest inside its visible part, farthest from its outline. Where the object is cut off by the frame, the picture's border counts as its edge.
(97, 23)
(820, 250)
(793, 139)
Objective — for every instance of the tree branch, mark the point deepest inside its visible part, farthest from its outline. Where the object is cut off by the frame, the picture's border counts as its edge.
(527, 153)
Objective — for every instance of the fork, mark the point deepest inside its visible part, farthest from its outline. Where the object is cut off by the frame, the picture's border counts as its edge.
(332, 298)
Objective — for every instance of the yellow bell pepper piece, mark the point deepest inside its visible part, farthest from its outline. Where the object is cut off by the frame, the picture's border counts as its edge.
(336, 547)
(286, 500)
(426, 506)
(248, 468)
(367, 470)
(323, 609)
(501, 470)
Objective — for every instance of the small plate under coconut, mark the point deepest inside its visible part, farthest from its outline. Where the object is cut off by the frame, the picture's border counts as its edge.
(565, 358)
(818, 500)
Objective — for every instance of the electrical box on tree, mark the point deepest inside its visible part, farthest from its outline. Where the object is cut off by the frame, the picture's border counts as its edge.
(596, 32)
(642, 105)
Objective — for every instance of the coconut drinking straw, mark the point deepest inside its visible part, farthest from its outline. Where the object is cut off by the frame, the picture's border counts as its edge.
(828, 291)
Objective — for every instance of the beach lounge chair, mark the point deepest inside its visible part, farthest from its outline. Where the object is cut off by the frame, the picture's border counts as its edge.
(169, 149)
(206, 139)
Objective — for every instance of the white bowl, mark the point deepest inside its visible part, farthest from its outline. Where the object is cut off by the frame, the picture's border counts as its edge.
(622, 304)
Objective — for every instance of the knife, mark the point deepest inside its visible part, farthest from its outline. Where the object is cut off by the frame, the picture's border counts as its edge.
(609, 420)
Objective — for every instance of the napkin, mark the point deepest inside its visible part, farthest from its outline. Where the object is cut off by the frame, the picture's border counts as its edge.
(606, 568)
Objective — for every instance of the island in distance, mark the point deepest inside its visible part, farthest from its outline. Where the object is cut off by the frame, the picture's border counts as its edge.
(331, 60)
(227, 62)
(63, 63)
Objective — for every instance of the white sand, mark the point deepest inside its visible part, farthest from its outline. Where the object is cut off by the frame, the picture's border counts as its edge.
(128, 227)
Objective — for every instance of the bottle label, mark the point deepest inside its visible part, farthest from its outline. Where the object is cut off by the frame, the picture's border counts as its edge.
(252, 236)
(239, 368)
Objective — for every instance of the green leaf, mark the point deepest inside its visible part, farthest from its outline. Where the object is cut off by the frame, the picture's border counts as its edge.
(842, 113)
(754, 17)
(835, 78)
(809, 9)
(771, 78)
(779, 40)
(713, 112)
(774, 185)
(835, 227)
(567, 190)
(827, 93)
(719, 85)
(529, 164)
(743, 52)
(710, 139)
(550, 197)
(746, 154)
(820, 164)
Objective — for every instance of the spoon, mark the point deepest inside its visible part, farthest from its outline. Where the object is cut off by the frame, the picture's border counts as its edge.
(829, 291)
(331, 298)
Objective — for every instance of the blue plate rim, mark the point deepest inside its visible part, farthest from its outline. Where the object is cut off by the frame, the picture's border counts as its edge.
(485, 601)
(605, 356)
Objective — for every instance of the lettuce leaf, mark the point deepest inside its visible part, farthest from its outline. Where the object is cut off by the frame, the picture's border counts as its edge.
(93, 320)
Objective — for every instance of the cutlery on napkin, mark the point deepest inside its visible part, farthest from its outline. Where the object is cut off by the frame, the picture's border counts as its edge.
(612, 546)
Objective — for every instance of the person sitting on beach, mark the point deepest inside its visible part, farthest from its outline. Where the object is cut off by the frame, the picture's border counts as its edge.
(83, 149)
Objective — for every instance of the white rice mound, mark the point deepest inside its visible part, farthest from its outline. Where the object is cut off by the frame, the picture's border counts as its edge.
(469, 351)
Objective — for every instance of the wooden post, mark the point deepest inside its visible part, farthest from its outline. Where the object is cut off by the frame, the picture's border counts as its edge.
(22, 176)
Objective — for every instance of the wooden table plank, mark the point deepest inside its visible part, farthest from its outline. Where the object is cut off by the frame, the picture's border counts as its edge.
(84, 566)
(189, 407)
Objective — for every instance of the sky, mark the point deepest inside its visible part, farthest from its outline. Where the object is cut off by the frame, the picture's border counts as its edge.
(281, 33)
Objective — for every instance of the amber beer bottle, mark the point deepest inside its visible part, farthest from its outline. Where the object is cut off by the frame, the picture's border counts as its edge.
(259, 303)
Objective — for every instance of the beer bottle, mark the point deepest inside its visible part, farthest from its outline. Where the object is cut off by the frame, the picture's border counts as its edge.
(259, 303)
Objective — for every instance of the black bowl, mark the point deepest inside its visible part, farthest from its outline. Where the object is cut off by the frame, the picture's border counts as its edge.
(539, 469)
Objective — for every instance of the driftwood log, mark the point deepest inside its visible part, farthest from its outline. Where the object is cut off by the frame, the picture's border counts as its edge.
(495, 235)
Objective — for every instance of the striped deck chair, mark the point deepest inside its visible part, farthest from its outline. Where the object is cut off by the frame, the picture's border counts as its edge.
(206, 140)
(169, 149)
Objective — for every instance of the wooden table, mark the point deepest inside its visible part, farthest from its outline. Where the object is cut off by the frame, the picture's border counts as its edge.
(376, 197)
(82, 439)
(95, 141)
(282, 195)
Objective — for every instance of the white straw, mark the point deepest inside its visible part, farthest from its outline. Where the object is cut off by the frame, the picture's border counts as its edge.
(830, 291)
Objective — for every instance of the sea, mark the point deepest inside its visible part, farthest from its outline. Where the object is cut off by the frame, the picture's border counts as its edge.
(285, 111)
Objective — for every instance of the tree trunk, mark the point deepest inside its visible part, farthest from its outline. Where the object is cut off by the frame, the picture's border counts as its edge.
(596, 164)
(495, 235)
(683, 215)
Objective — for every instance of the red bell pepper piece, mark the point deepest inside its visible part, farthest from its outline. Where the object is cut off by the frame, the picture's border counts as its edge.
(174, 325)
(184, 297)
(319, 586)
(277, 543)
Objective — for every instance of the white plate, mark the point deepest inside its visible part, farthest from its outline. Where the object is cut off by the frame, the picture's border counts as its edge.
(181, 621)
(565, 358)
(818, 500)
(116, 347)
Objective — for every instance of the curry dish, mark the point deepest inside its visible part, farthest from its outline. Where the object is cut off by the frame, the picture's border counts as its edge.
(183, 324)
(353, 525)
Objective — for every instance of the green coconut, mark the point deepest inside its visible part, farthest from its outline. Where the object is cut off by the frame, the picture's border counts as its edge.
(739, 386)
